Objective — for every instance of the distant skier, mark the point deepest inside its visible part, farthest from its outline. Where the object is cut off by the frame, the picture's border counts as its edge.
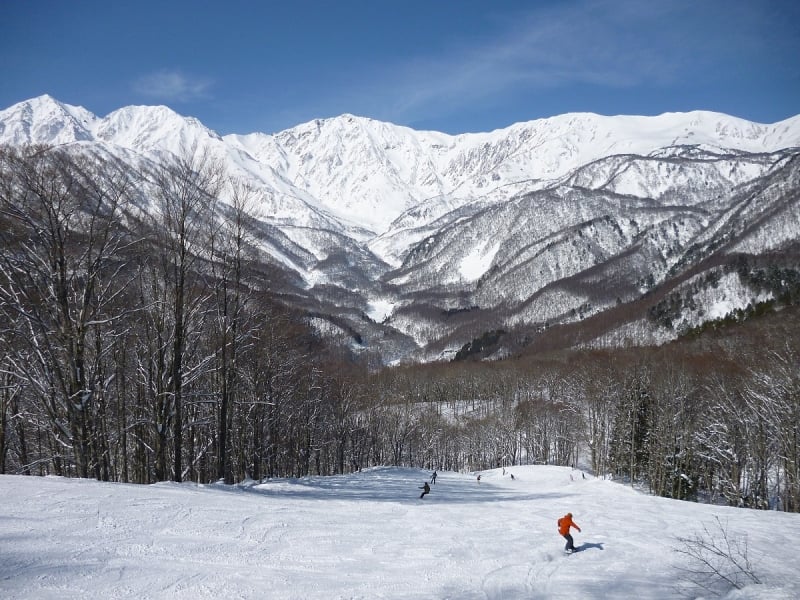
(426, 489)
(433, 478)
(512, 477)
(564, 523)
(479, 478)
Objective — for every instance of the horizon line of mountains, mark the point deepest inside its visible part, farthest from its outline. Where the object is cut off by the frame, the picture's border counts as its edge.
(417, 245)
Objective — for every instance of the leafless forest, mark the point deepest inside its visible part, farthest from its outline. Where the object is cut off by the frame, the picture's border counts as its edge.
(140, 342)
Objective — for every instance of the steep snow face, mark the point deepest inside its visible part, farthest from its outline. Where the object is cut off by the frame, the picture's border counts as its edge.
(364, 171)
(45, 120)
(152, 128)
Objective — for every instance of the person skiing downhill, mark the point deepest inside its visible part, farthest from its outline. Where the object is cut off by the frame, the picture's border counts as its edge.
(564, 523)
(425, 489)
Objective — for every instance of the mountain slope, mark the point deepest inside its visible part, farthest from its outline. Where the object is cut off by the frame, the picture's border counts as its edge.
(542, 222)
(354, 166)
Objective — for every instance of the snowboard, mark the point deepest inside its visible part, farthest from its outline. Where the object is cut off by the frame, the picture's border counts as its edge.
(577, 549)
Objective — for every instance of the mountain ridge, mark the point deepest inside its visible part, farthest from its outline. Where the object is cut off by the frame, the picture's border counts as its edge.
(406, 167)
(541, 222)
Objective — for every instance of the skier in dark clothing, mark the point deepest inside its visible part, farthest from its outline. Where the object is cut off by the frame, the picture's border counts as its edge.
(433, 478)
(426, 489)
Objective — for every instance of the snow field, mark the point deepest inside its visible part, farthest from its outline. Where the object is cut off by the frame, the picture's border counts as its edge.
(367, 535)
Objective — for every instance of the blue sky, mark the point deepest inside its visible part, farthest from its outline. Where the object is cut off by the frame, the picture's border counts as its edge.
(244, 66)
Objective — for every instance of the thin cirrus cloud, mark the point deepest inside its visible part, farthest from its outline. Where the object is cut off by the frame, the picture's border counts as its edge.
(172, 86)
(595, 42)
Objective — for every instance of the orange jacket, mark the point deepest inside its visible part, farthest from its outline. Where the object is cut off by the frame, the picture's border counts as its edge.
(565, 522)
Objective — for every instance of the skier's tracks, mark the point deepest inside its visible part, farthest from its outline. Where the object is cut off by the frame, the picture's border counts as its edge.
(527, 581)
(508, 583)
(541, 574)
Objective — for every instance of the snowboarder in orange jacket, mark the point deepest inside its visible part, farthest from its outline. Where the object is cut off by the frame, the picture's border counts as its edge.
(564, 523)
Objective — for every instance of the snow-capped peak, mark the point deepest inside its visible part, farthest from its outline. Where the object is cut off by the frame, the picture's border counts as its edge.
(45, 120)
(152, 127)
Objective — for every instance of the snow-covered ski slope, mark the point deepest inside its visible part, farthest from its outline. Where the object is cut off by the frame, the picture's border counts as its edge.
(369, 536)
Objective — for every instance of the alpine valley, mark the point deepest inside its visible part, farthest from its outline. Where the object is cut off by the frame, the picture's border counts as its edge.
(578, 230)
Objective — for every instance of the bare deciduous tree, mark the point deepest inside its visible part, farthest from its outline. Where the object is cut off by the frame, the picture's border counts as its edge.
(186, 188)
(718, 559)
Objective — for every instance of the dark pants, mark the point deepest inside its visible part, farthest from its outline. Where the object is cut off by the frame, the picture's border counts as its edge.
(570, 545)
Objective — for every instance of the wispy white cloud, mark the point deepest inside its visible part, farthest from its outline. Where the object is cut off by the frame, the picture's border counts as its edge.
(578, 43)
(611, 43)
(551, 52)
(172, 86)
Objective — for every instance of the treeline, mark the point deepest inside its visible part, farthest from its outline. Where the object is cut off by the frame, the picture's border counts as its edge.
(140, 343)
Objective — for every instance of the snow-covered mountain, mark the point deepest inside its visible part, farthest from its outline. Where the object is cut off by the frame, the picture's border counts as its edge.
(444, 237)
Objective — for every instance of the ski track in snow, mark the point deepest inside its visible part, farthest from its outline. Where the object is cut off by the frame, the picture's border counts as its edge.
(363, 536)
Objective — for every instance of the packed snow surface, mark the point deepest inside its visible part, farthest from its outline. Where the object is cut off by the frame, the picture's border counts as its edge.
(368, 535)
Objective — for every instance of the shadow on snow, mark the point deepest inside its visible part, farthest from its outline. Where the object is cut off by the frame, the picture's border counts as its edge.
(392, 484)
